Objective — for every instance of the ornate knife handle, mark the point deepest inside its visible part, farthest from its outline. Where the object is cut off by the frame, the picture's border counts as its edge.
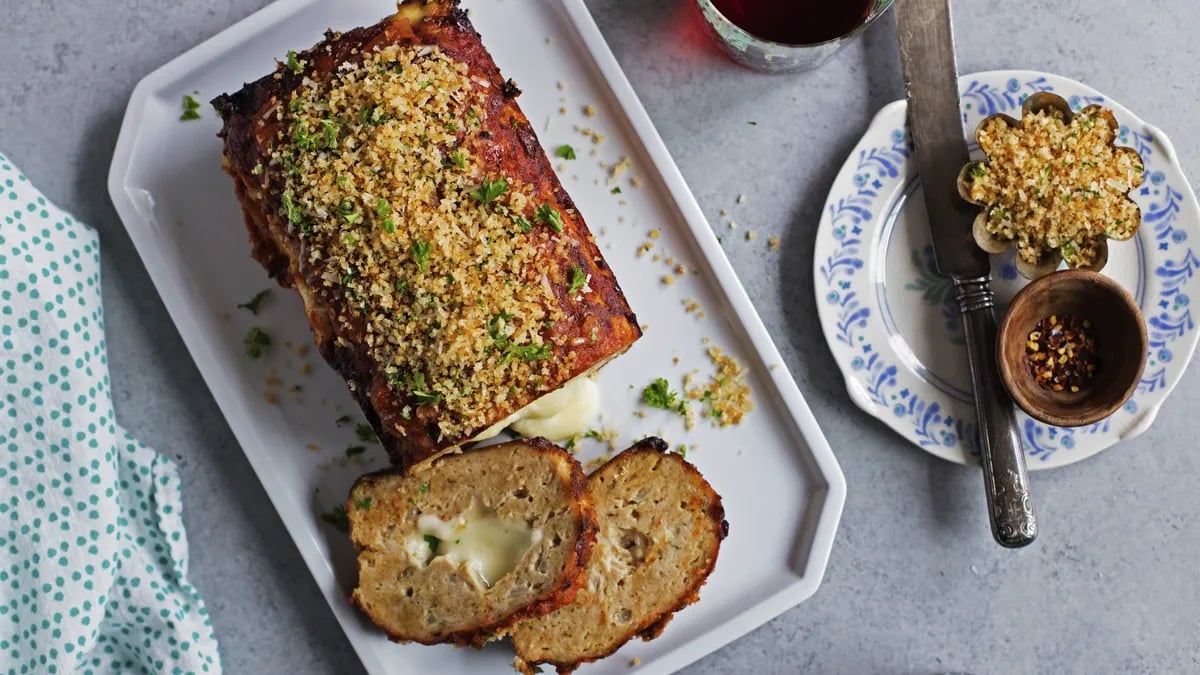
(1005, 478)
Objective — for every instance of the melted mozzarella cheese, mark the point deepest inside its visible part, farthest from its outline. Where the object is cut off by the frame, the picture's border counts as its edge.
(481, 542)
(559, 415)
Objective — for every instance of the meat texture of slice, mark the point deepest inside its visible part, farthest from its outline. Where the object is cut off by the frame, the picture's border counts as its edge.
(660, 527)
(461, 548)
(389, 177)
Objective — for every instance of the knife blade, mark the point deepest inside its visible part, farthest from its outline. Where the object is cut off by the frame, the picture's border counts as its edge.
(930, 71)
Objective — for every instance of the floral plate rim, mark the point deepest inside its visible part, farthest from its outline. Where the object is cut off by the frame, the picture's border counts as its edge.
(860, 211)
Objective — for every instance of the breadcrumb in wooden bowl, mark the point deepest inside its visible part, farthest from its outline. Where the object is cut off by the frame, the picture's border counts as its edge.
(1054, 184)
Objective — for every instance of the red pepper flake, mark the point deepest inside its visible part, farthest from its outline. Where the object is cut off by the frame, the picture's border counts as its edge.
(1061, 354)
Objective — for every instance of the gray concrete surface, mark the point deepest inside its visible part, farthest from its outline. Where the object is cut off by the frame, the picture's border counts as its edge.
(915, 584)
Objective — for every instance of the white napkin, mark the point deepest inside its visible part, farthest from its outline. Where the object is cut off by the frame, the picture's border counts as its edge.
(93, 558)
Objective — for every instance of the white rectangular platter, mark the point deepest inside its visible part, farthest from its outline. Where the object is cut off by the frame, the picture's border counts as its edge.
(782, 488)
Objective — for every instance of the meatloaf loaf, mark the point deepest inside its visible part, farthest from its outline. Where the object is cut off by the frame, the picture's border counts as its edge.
(389, 177)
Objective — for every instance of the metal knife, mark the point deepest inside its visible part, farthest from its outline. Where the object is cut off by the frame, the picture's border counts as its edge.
(931, 84)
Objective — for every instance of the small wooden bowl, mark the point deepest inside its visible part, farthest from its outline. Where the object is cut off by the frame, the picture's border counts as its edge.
(1120, 346)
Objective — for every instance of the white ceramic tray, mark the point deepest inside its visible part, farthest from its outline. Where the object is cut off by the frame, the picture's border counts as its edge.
(782, 487)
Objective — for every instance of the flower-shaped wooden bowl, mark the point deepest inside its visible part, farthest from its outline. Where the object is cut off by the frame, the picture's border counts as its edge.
(1033, 209)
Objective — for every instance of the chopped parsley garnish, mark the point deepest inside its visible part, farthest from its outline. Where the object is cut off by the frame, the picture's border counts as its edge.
(592, 433)
(256, 301)
(337, 518)
(294, 215)
(294, 64)
(451, 127)
(496, 326)
(547, 215)
(257, 170)
(571, 443)
(382, 208)
(658, 394)
(424, 487)
(529, 352)
(420, 392)
(522, 223)
(752, 123)
(360, 502)
(578, 279)
(365, 433)
(420, 252)
(565, 151)
(191, 108)
(330, 129)
(354, 451)
(616, 190)
(472, 116)
(303, 139)
(459, 159)
(682, 450)
(977, 171)
(255, 341)
(489, 190)
(433, 543)
(344, 419)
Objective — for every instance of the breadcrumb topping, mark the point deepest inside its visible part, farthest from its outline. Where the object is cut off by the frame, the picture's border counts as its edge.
(1052, 184)
(439, 263)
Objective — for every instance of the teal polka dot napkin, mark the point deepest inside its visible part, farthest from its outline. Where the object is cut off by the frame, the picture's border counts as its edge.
(93, 558)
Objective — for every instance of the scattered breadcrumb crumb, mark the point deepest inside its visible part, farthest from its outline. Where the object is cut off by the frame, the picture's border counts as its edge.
(675, 360)
(670, 261)
(271, 397)
(619, 168)
(668, 280)
(656, 257)
(562, 111)
(645, 326)
(773, 366)
(272, 381)
(639, 413)
(773, 243)
(741, 199)
(549, 41)
(655, 233)
(635, 662)
(312, 447)
(726, 396)
(732, 225)
(704, 341)
(699, 315)
(690, 306)
(561, 86)
(751, 235)
(724, 212)
(589, 110)
(635, 182)
(644, 248)
(680, 270)
(305, 368)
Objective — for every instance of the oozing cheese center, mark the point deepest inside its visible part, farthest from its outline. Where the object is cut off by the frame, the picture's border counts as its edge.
(557, 416)
(487, 546)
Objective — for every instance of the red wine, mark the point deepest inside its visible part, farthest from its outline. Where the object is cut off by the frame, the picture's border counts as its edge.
(795, 21)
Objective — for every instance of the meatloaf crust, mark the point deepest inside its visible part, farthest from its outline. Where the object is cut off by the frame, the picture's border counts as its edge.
(389, 177)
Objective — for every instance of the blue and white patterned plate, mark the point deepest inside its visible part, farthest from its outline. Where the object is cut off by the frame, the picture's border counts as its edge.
(891, 320)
